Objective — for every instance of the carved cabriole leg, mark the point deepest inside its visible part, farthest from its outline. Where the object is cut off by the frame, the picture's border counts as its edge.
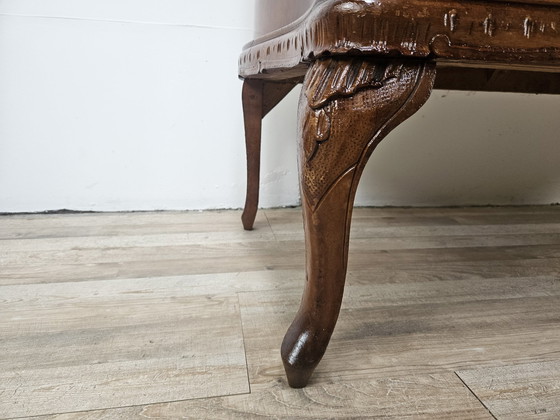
(259, 97)
(347, 106)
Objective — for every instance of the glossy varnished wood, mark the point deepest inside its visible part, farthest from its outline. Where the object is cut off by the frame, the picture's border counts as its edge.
(367, 67)
(496, 80)
(485, 33)
(252, 98)
(259, 97)
(347, 107)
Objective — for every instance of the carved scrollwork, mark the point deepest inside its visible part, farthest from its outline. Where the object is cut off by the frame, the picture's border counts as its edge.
(334, 79)
(346, 107)
(520, 32)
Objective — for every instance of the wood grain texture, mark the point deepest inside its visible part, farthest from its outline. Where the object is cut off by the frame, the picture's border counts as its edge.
(81, 346)
(368, 66)
(76, 247)
(259, 97)
(482, 33)
(189, 224)
(524, 391)
(406, 328)
(71, 248)
(438, 396)
(252, 98)
(457, 298)
(347, 107)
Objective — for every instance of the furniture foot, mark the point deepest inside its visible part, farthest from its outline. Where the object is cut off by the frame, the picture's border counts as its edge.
(258, 97)
(346, 107)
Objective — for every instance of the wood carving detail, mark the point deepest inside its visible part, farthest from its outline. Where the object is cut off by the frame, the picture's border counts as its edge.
(368, 66)
(454, 30)
(347, 106)
(347, 103)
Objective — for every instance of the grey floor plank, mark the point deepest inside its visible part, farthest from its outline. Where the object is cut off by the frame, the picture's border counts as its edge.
(438, 396)
(82, 346)
(523, 391)
(181, 315)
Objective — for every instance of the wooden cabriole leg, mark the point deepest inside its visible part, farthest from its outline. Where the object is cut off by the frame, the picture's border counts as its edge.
(252, 97)
(259, 97)
(346, 107)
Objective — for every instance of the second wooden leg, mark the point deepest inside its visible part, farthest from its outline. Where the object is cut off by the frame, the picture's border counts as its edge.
(259, 98)
(347, 106)
(252, 98)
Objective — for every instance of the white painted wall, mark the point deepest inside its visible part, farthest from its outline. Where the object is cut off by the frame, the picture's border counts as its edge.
(135, 105)
(470, 148)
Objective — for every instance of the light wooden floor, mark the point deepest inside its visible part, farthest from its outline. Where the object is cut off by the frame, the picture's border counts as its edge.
(448, 313)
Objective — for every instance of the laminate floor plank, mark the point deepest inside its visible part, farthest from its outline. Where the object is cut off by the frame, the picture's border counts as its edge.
(394, 329)
(82, 346)
(35, 226)
(420, 272)
(457, 231)
(147, 262)
(287, 223)
(522, 391)
(184, 252)
(438, 396)
(181, 315)
(382, 252)
(402, 217)
(99, 263)
(360, 269)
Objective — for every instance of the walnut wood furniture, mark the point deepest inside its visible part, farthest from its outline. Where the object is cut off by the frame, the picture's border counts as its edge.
(366, 66)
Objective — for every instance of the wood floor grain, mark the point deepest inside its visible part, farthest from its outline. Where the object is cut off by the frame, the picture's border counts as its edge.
(395, 329)
(524, 391)
(437, 396)
(82, 346)
(181, 314)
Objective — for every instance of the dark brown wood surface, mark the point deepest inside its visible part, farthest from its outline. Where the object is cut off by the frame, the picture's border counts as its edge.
(259, 97)
(496, 80)
(366, 67)
(488, 33)
(340, 96)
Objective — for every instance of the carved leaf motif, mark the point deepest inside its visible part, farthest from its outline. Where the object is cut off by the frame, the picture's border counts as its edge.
(334, 79)
(348, 106)
(318, 123)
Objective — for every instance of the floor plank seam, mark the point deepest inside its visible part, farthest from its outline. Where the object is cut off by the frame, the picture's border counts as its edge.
(476, 396)
(120, 407)
(243, 341)
(270, 226)
(107, 329)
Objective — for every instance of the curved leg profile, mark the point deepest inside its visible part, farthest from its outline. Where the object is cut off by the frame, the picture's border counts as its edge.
(258, 97)
(347, 106)
(252, 97)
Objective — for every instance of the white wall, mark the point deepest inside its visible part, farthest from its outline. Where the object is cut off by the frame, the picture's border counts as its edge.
(135, 105)
(470, 148)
